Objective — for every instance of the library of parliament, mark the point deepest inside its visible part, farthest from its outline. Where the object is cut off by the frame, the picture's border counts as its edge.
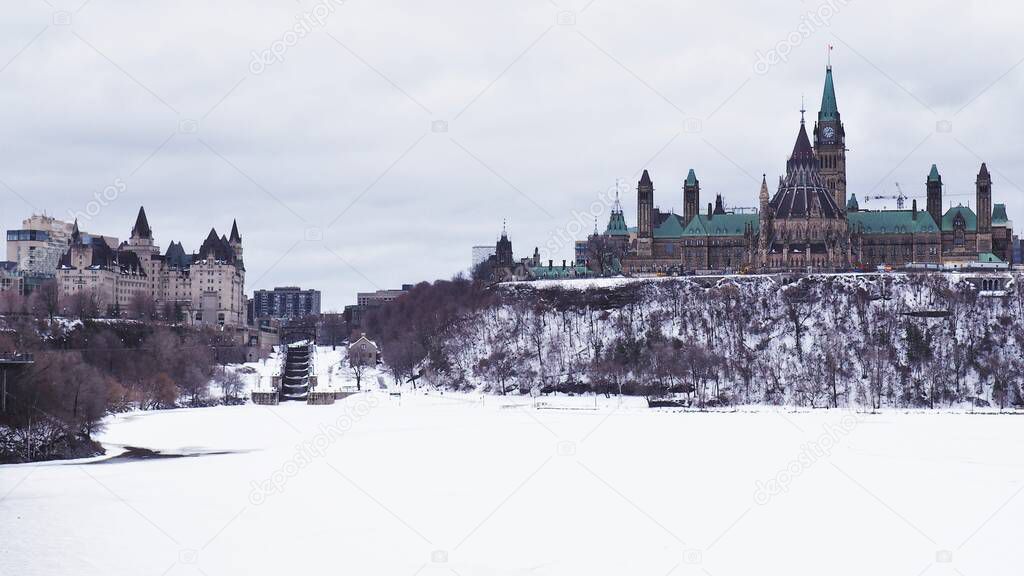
(809, 223)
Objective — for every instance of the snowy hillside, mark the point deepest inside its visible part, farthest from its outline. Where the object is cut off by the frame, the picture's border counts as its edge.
(870, 340)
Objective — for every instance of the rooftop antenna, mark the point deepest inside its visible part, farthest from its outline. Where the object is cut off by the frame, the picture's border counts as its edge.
(828, 56)
(802, 108)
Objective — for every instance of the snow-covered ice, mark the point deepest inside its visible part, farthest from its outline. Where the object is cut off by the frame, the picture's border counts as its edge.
(472, 485)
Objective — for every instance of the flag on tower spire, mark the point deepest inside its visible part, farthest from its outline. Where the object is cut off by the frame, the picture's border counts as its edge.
(829, 108)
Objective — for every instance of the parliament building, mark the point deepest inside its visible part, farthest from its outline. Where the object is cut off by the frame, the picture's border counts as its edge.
(808, 224)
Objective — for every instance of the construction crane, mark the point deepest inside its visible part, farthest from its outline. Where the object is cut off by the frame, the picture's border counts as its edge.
(899, 197)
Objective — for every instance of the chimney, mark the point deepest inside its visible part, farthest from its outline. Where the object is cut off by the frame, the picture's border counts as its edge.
(711, 210)
(551, 264)
(563, 264)
(914, 208)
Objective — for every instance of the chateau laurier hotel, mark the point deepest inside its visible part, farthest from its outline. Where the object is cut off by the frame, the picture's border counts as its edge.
(808, 223)
(207, 287)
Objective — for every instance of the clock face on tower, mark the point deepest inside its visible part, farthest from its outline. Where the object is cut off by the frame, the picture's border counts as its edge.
(829, 133)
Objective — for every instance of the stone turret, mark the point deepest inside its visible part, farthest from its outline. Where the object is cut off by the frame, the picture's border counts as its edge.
(934, 201)
(983, 189)
(691, 197)
(764, 219)
(235, 240)
(645, 212)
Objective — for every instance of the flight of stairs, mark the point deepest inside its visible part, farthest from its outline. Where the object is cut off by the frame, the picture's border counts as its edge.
(295, 376)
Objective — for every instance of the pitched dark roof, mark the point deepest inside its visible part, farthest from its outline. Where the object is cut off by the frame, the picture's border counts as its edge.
(103, 256)
(719, 206)
(983, 174)
(216, 248)
(802, 193)
(141, 228)
(234, 232)
(129, 262)
(645, 178)
(803, 152)
(176, 256)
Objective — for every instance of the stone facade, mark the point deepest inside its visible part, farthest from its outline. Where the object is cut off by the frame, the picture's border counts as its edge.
(808, 224)
(206, 287)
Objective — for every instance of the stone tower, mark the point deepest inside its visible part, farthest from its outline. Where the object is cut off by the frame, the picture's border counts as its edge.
(691, 197)
(830, 142)
(983, 188)
(141, 243)
(503, 257)
(935, 196)
(142, 234)
(645, 211)
(764, 221)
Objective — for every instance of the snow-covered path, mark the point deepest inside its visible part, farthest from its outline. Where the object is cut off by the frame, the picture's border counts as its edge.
(450, 485)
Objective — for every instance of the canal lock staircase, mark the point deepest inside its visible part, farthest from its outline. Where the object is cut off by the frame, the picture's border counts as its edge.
(297, 380)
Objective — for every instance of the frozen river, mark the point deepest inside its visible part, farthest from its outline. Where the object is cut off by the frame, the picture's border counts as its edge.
(452, 485)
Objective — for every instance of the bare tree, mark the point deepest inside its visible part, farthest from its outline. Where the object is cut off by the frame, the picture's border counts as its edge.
(142, 307)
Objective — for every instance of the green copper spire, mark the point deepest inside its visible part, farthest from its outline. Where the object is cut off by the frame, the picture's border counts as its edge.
(691, 178)
(933, 176)
(999, 215)
(852, 205)
(829, 108)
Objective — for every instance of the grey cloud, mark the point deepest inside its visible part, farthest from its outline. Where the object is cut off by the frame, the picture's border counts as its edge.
(555, 114)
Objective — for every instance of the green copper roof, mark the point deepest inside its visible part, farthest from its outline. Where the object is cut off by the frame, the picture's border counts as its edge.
(829, 108)
(989, 258)
(999, 217)
(556, 272)
(851, 204)
(970, 219)
(672, 227)
(617, 225)
(933, 176)
(720, 225)
(691, 178)
(892, 222)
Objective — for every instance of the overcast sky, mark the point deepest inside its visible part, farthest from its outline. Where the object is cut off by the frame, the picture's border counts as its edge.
(366, 144)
